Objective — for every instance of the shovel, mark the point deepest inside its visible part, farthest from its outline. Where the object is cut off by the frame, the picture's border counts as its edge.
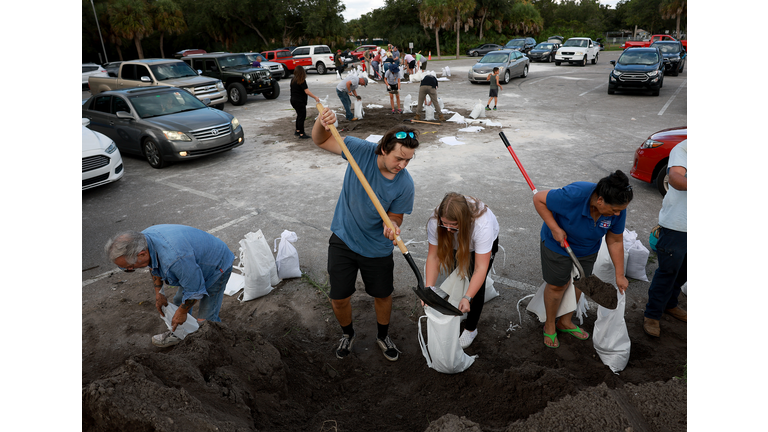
(426, 295)
(600, 292)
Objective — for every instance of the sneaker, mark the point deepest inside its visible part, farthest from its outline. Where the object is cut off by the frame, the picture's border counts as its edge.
(399, 111)
(389, 349)
(494, 108)
(166, 339)
(394, 111)
(467, 337)
(345, 346)
(487, 108)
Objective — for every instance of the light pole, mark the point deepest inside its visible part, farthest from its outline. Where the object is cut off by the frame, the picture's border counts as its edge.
(106, 60)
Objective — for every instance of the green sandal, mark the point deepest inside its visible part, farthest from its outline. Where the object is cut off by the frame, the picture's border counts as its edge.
(552, 336)
(573, 332)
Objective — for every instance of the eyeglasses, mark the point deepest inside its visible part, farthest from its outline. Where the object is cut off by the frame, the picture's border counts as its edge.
(402, 135)
(127, 270)
(451, 229)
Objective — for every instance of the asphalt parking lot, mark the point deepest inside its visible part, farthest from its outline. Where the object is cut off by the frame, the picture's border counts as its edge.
(560, 121)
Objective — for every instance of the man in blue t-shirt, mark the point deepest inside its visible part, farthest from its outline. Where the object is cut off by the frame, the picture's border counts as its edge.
(193, 260)
(360, 240)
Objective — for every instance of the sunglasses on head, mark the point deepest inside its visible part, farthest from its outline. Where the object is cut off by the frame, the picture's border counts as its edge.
(402, 135)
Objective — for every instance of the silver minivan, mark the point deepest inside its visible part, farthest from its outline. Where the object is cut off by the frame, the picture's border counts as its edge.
(511, 63)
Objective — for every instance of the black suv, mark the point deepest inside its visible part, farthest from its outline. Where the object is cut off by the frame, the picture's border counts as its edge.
(672, 51)
(638, 68)
(237, 73)
(524, 45)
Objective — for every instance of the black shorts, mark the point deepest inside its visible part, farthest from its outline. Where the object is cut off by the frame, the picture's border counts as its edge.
(494, 93)
(392, 88)
(343, 265)
(556, 268)
(412, 64)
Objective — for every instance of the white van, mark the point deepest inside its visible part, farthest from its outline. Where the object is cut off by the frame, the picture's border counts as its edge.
(321, 55)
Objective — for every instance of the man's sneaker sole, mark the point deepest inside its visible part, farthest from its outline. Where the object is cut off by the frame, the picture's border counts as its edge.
(164, 341)
(342, 351)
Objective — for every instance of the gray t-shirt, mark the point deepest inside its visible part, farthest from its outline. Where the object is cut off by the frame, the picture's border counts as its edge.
(343, 84)
(674, 208)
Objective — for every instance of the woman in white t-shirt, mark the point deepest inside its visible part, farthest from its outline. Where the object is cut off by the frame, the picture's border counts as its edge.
(463, 233)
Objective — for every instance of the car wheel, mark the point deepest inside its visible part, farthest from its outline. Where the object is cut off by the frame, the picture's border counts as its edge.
(594, 60)
(557, 63)
(655, 91)
(525, 72)
(506, 76)
(321, 69)
(236, 93)
(274, 93)
(682, 67)
(584, 61)
(662, 180)
(286, 72)
(152, 153)
(549, 59)
(475, 54)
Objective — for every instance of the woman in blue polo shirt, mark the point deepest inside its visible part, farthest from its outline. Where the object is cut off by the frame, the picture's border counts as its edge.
(582, 213)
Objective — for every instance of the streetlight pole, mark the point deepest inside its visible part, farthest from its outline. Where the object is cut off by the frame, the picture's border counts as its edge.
(106, 60)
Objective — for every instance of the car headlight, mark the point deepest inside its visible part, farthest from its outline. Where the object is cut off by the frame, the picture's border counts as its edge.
(111, 149)
(235, 123)
(176, 136)
(653, 73)
(616, 73)
(219, 85)
(247, 77)
(649, 143)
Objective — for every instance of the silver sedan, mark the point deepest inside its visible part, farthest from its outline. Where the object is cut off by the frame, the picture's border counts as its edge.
(511, 63)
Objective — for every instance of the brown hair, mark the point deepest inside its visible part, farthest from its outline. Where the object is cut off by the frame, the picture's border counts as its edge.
(456, 207)
(299, 75)
(388, 142)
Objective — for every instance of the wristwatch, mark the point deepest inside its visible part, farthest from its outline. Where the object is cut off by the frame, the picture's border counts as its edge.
(469, 299)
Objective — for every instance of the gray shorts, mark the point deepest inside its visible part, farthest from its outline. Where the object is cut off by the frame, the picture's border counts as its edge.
(494, 93)
(556, 268)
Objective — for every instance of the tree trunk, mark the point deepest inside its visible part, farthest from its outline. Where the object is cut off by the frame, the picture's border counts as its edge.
(458, 28)
(137, 41)
(437, 41)
(253, 27)
(482, 21)
(162, 53)
(677, 27)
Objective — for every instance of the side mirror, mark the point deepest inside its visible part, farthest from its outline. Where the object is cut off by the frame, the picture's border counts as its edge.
(613, 62)
(206, 101)
(199, 72)
(146, 79)
(666, 61)
(124, 115)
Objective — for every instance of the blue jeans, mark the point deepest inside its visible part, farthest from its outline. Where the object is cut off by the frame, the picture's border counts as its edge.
(209, 306)
(344, 96)
(672, 251)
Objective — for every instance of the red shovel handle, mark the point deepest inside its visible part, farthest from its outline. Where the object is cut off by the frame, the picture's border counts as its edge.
(517, 161)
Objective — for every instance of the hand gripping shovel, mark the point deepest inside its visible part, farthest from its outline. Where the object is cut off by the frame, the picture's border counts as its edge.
(601, 292)
(426, 295)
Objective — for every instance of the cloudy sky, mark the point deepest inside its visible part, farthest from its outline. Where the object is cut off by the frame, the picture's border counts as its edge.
(356, 8)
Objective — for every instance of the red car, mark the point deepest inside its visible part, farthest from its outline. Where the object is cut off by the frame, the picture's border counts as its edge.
(284, 57)
(651, 158)
(359, 51)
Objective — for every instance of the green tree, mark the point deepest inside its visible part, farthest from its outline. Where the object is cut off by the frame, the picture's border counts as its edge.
(463, 13)
(436, 14)
(168, 18)
(674, 9)
(643, 14)
(130, 19)
(524, 19)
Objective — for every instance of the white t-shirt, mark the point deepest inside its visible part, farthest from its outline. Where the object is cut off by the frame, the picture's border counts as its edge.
(484, 231)
(674, 208)
(354, 80)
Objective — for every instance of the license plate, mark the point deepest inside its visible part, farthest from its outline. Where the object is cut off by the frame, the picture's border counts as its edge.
(566, 58)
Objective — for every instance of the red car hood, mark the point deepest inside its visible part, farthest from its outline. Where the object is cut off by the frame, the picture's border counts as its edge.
(677, 133)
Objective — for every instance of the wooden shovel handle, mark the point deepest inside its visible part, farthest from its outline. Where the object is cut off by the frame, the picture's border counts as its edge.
(364, 182)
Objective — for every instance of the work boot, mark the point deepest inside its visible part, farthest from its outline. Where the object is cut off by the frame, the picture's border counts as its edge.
(416, 117)
(678, 313)
(442, 117)
(651, 327)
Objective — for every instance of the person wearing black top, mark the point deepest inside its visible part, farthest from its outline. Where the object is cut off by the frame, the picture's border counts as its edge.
(428, 87)
(299, 93)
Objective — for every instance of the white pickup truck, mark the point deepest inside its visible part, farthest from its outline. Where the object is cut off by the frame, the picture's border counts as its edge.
(577, 50)
(166, 72)
(321, 56)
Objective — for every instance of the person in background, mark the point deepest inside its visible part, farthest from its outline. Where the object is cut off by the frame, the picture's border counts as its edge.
(428, 87)
(392, 78)
(493, 94)
(299, 93)
(338, 61)
(196, 262)
(375, 63)
(581, 213)
(348, 87)
(257, 62)
(367, 61)
(361, 241)
(409, 62)
(672, 246)
(463, 234)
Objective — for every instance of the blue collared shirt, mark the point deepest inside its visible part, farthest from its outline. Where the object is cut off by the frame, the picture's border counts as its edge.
(570, 207)
(187, 257)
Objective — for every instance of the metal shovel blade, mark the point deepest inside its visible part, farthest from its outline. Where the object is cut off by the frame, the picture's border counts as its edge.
(433, 300)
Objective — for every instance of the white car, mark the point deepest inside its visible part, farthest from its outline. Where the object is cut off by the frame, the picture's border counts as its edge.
(577, 50)
(320, 55)
(92, 69)
(102, 163)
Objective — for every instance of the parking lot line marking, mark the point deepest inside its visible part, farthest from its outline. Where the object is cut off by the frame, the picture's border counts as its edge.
(232, 222)
(592, 89)
(187, 189)
(673, 97)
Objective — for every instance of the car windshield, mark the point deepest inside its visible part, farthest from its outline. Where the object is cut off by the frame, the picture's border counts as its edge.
(515, 43)
(545, 46)
(172, 70)
(576, 43)
(495, 58)
(234, 61)
(667, 48)
(645, 58)
(165, 103)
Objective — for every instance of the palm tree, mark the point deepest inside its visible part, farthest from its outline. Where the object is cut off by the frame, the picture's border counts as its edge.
(434, 14)
(130, 19)
(525, 19)
(168, 18)
(674, 9)
(463, 15)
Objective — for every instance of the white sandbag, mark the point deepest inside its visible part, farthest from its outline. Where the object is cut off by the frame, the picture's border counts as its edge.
(490, 291)
(447, 71)
(477, 110)
(338, 76)
(443, 73)
(603, 267)
(187, 327)
(684, 288)
(235, 283)
(610, 337)
(442, 349)
(637, 259)
(567, 304)
(287, 260)
(259, 266)
(440, 103)
(407, 104)
(359, 112)
(429, 113)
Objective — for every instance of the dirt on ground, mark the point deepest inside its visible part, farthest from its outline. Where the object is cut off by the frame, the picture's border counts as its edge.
(270, 364)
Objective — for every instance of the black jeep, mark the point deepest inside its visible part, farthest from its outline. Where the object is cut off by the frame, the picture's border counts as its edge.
(237, 73)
